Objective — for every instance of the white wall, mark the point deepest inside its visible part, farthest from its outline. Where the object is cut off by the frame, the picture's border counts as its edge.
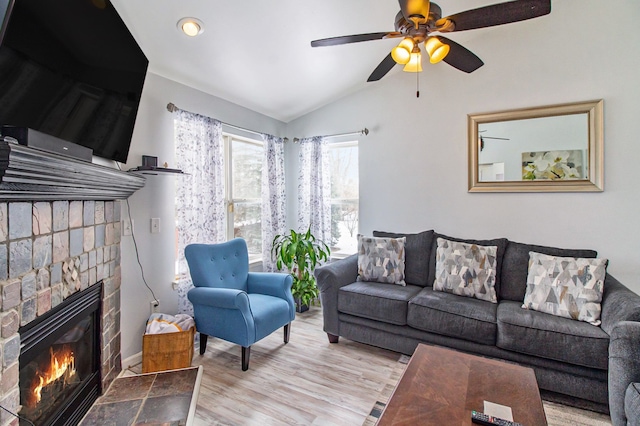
(153, 135)
(413, 164)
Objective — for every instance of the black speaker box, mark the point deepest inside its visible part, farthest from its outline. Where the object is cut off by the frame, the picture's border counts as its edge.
(38, 140)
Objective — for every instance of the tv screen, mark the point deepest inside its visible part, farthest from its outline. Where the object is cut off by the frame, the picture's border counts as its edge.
(71, 69)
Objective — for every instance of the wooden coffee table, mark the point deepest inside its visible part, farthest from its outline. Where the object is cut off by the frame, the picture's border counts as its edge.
(441, 387)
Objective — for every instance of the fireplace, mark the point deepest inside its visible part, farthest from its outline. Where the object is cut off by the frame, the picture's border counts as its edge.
(59, 234)
(60, 361)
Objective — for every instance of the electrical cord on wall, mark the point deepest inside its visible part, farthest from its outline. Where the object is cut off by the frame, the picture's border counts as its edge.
(20, 417)
(135, 246)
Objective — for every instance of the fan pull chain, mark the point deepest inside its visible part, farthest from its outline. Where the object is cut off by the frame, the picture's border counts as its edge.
(417, 85)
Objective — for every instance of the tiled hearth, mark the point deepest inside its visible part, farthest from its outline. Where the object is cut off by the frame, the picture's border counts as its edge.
(162, 398)
(50, 250)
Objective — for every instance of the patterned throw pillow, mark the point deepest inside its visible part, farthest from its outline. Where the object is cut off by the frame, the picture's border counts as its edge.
(566, 286)
(381, 259)
(466, 270)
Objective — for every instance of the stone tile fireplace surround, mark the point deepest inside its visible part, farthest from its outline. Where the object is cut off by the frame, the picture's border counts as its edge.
(48, 251)
(59, 234)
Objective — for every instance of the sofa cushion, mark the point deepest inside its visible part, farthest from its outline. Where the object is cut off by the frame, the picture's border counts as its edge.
(632, 404)
(466, 270)
(455, 316)
(515, 267)
(565, 286)
(547, 336)
(377, 301)
(501, 243)
(417, 255)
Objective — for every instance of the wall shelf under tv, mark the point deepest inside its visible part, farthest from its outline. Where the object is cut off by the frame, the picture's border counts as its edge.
(149, 170)
(31, 174)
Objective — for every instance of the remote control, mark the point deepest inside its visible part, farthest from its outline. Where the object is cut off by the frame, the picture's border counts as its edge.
(484, 419)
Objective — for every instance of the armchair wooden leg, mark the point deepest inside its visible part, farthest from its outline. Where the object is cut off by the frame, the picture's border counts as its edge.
(333, 338)
(246, 352)
(203, 343)
(287, 331)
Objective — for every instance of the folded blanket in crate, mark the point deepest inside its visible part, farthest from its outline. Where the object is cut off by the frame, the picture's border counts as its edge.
(164, 323)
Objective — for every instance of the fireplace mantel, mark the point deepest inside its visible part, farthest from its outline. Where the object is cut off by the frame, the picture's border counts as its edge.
(30, 174)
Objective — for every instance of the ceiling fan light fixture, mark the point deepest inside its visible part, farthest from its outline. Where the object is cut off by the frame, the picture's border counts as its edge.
(436, 49)
(415, 62)
(402, 52)
(418, 19)
(191, 26)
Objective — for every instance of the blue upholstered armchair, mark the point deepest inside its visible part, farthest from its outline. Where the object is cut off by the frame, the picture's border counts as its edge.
(233, 304)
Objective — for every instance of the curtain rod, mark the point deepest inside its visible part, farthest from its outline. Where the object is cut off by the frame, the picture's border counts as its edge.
(364, 131)
(171, 107)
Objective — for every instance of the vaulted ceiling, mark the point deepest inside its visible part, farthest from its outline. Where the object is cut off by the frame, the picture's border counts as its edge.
(257, 53)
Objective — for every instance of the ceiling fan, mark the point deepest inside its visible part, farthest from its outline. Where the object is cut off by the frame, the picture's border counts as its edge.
(418, 19)
(482, 138)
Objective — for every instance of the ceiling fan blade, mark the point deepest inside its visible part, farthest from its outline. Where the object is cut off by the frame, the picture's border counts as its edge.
(382, 69)
(356, 38)
(460, 57)
(499, 14)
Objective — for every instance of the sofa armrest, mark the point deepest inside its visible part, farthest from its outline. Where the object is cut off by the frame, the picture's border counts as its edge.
(273, 284)
(225, 298)
(624, 367)
(618, 304)
(330, 278)
(632, 404)
(223, 313)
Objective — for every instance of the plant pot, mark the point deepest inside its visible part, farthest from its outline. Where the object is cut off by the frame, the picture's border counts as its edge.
(300, 307)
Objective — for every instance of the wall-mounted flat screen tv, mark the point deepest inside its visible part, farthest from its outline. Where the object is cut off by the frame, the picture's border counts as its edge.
(71, 69)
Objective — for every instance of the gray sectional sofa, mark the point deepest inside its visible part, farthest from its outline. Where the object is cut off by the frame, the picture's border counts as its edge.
(595, 366)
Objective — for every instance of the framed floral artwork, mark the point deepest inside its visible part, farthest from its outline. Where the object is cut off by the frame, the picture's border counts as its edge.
(554, 165)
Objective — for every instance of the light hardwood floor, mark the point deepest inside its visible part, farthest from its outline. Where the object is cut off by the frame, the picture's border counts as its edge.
(311, 382)
(305, 382)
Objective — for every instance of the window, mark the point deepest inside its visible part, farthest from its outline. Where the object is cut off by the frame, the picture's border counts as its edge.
(344, 198)
(239, 175)
(244, 191)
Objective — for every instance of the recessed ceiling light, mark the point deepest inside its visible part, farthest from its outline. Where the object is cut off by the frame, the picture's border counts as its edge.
(191, 26)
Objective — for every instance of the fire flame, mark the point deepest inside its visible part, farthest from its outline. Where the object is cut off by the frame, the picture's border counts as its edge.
(62, 364)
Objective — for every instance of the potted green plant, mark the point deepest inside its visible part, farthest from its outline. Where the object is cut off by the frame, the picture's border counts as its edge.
(300, 252)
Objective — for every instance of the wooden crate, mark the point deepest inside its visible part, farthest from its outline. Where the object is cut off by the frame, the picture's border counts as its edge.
(167, 351)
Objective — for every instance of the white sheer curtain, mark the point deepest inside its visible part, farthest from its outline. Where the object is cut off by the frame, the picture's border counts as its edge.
(200, 206)
(273, 197)
(314, 188)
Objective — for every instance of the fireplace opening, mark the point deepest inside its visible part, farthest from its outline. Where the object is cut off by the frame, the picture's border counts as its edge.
(60, 361)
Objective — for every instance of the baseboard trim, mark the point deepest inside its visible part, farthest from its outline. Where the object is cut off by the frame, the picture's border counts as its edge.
(132, 361)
